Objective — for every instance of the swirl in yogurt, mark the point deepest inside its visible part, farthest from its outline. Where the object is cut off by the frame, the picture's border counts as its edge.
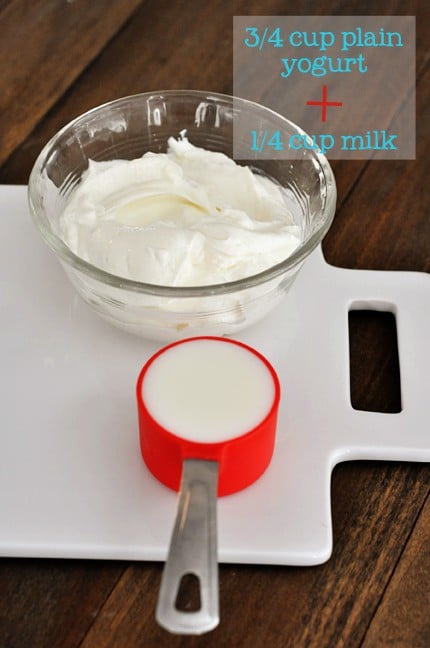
(187, 217)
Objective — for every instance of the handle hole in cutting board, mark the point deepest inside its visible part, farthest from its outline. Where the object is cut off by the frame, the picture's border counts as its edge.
(374, 362)
(188, 597)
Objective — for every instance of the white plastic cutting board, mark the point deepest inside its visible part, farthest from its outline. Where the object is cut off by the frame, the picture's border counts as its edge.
(72, 483)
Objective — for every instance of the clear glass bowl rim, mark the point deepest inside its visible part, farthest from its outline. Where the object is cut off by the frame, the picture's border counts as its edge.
(66, 255)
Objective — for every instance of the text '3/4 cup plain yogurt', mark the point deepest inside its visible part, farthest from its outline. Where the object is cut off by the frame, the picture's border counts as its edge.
(187, 217)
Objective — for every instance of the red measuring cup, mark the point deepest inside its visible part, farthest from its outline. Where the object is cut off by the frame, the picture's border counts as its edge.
(207, 411)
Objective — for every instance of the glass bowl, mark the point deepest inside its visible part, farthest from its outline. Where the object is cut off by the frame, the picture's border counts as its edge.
(126, 129)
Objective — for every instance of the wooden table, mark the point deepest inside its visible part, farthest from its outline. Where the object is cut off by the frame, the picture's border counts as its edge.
(59, 59)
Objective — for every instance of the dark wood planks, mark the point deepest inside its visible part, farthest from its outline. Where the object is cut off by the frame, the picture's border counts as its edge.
(51, 604)
(403, 617)
(160, 48)
(375, 506)
(44, 47)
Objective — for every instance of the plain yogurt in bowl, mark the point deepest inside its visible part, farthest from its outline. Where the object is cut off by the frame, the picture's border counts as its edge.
(187, 217)
(164, 234)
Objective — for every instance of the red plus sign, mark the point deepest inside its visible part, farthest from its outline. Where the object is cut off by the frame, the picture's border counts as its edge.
(324, 103)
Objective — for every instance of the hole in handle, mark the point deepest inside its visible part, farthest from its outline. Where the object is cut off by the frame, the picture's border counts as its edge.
(374, 371)
(188, 597)
(192, 553)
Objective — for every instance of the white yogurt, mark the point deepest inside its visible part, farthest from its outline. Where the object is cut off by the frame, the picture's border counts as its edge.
(208, 391)
(188, 217)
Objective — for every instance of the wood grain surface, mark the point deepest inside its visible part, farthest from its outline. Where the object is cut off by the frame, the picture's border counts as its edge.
(59, 59)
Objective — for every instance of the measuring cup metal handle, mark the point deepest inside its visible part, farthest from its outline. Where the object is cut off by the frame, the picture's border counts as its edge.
(193, 550)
